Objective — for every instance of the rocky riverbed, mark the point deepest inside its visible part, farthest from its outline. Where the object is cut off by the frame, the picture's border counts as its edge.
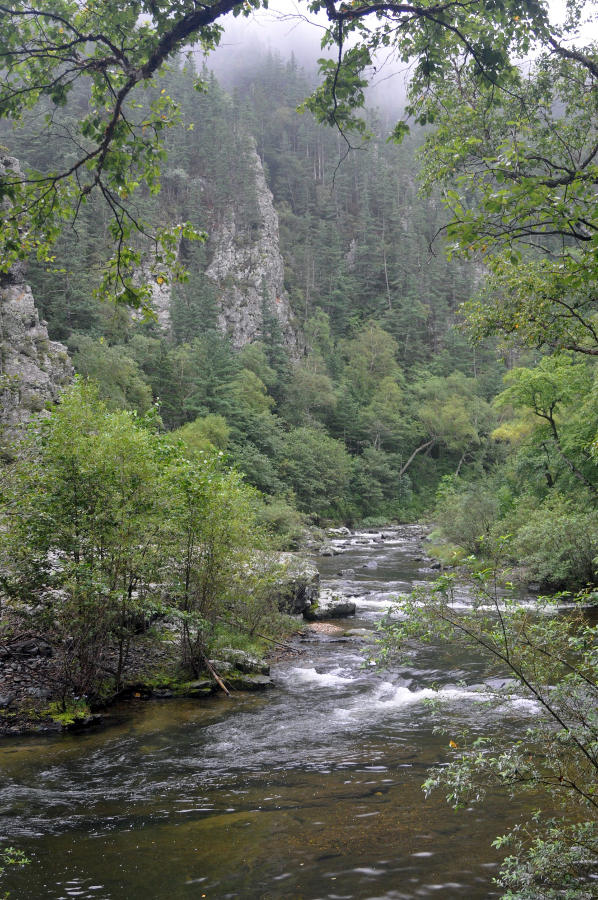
(30, 676)
(311, 789)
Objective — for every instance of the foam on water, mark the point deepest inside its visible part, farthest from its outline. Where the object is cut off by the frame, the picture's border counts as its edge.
(391, 697)
(319, 679)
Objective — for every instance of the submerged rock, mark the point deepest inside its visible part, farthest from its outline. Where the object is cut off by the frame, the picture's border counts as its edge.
(363, 633)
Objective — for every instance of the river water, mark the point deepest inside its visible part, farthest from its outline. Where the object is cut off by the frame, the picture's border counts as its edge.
(310, 790)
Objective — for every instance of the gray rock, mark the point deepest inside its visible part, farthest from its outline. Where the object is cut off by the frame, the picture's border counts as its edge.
(248, 273)
(6, 700)
(34, 368)
(249, 682)
(39, 693)
(245, 662)
(299, 586)
(202, 687)
(222, 666)
(32, 648)
(329, 606)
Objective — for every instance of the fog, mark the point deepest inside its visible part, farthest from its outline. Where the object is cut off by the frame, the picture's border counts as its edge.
(287, 30)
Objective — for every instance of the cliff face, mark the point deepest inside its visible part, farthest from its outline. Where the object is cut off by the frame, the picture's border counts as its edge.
(249, 276)
(33, 369)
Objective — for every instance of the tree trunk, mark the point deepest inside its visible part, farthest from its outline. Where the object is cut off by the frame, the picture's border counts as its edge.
(414, 454)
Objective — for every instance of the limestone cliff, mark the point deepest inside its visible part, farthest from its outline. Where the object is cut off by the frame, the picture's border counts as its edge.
(33, 369)
(249, 276)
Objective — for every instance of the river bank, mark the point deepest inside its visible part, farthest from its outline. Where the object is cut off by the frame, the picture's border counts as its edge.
(30, 696)
(311, 790)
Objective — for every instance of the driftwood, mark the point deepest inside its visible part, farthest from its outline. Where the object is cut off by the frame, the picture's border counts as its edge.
(214, 674)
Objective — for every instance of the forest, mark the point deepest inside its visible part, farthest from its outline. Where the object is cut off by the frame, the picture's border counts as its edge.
(288, 313)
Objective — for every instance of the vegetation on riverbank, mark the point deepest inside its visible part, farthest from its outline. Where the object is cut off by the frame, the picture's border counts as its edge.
(541, 656)
(109, 525)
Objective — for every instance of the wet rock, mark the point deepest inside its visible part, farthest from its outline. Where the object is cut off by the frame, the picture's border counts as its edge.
(201, 687)
(85, 722)
(364, 633)
(246, 682)
(329, 606)
(345, 572)
(6, 700)
(245, 662)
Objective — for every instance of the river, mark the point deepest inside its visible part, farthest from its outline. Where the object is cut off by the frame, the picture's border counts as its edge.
(310, 790)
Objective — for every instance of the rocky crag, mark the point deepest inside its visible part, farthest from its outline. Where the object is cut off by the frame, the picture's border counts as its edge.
(248, 274)
(33, 369)
(250, 278)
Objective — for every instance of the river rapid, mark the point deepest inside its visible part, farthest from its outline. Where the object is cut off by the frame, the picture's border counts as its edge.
(310, 790)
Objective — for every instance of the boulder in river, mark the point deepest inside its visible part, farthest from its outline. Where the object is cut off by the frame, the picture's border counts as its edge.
(243, 682)
(329, 606)
(299, 586)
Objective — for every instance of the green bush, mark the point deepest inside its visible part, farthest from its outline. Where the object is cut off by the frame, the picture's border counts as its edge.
(558, 544)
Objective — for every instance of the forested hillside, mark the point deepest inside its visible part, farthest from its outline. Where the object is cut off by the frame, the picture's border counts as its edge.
(320, 340)
(349, 390)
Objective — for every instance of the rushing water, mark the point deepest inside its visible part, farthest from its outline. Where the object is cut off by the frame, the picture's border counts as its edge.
(311, 790)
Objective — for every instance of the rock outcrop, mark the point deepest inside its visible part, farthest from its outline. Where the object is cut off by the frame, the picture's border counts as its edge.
(329, 606)
(299, 586)
(33, 369)
(250, 276)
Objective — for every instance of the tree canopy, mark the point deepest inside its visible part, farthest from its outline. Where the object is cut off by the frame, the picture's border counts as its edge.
(89, 69)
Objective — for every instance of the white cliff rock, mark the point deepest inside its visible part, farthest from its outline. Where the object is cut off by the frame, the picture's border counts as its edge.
(251, 275)
(33, 369)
